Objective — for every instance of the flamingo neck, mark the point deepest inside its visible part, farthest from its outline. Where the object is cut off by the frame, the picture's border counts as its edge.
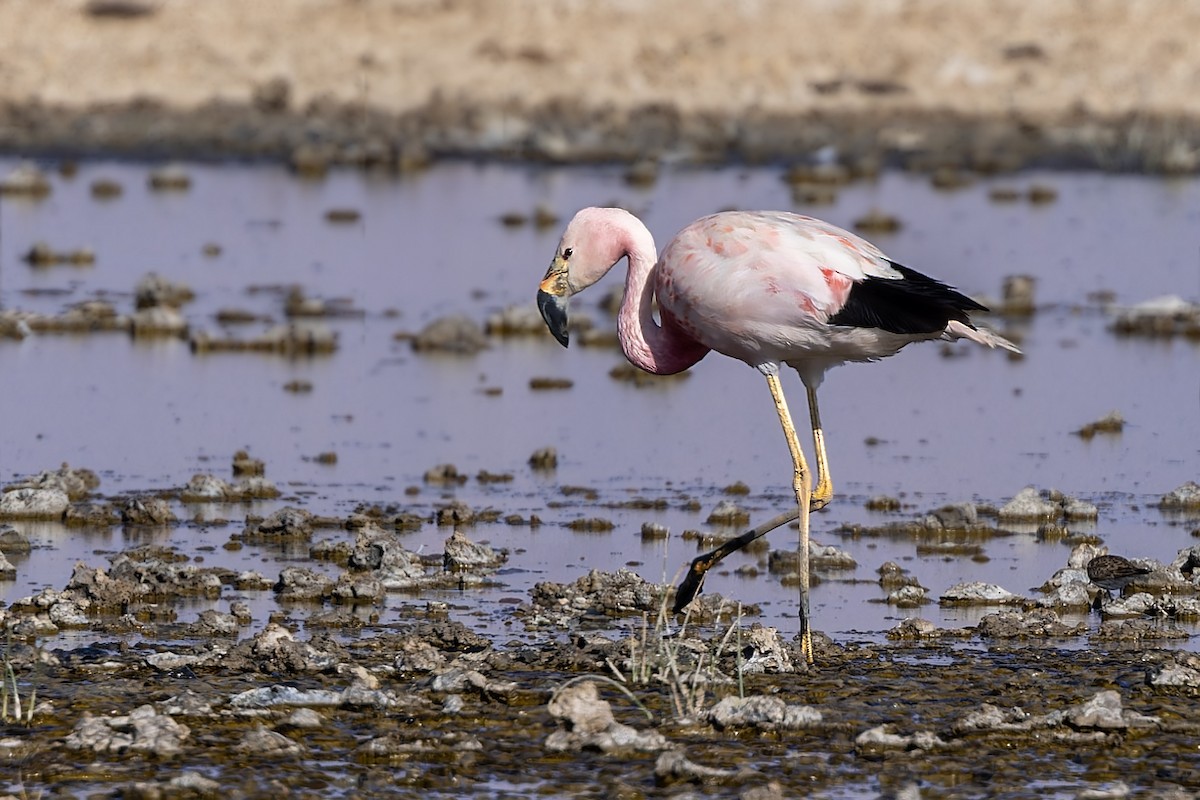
(659, 349)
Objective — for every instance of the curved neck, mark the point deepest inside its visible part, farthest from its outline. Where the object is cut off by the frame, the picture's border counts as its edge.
(659, 349)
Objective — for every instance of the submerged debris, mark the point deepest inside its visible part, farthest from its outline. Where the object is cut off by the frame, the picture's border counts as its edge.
(1111, 423)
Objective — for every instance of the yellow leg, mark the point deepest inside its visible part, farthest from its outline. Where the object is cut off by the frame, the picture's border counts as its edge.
(800, 483)
(824, 491)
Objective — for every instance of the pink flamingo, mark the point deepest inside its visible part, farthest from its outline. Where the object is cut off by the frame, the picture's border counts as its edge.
(768, 288)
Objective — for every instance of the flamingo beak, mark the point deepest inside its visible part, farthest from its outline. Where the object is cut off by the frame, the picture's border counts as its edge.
(552, 299)
(554, 312)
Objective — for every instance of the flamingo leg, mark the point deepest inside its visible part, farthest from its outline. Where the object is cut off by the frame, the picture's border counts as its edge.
(824, 491)
(800, 482)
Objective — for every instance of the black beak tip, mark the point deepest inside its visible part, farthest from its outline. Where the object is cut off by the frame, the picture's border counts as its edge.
(554, 313)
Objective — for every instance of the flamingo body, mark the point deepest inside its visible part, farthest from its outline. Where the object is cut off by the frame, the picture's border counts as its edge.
(767, 288)
(774, 287)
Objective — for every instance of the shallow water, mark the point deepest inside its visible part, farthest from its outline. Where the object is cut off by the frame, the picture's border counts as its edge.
(148, 415)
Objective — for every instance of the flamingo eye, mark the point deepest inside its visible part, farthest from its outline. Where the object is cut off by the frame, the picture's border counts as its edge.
(567, 253)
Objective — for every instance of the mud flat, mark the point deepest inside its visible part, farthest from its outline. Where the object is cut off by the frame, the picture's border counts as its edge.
(397, 83)
(338, 674)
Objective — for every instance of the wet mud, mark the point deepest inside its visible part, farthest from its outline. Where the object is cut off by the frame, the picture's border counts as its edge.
(333, 676)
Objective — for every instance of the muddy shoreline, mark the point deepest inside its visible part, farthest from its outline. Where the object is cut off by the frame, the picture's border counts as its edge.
(1099, 86)
(328, 134)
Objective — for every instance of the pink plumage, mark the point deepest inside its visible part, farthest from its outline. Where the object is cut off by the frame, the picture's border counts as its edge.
(765, 287)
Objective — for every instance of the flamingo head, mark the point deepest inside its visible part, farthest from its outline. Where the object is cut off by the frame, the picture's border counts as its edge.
(594, 241)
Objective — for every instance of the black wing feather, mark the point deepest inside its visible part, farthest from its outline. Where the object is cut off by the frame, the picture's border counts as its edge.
(913, 303)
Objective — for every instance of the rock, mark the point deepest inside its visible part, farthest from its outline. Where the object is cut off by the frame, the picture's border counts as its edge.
(1137, 631)
(144, 731)
(8, 572)
(75, 483)
(1138, 604)
(262, 741)
(457, 680)
(276, 650)
(994, 718)
(654, 531)
(728, 512)
(519, 320)
(1018, 295)
(1036, 624)
(43, 255)
(1182, 498)
(417, 655)
(1104, 711)
(278, 695)
(1028, 506)
(25, 180)
(909, 597)
(13, 542)
(893, 576)
(158, 321)
(215, 623)
(244, 465)
(1176, 676)
(463, 555)
(883, 503)
(1160, 316)
(302, 584)
(170, 178)
(762, 712)
(673, 767)
(33, 504)
(454, 334)
(352, 588)
(444, 474)
(763, 651)
(1074, 594)
(978, 594)
(288, 524)
(545, 458)
(147, 511)
(154, 291)
(611, 594)
(188, 783)
(91, 515)
(206, 488)
(1111, 423)
(303, 719)
(380, 552)
(587, 723)
(882, 738)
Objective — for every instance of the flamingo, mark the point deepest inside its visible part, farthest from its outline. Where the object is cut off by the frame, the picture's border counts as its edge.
(768, 288)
